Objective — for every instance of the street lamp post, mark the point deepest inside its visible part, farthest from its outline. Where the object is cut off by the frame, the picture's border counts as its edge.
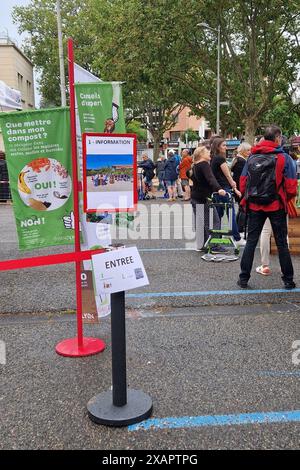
(218, 31)
(218, 81)
(61, 56)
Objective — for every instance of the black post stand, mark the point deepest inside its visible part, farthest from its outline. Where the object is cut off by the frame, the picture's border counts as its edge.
(119, 406)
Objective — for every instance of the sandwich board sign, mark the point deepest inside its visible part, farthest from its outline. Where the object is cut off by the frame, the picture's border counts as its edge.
(109, 172)
(119, 270)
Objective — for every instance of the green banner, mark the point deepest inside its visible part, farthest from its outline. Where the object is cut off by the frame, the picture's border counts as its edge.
(38, 155)
(100, 107)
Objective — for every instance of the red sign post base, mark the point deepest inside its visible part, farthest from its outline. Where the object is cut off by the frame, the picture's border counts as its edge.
(70, 347)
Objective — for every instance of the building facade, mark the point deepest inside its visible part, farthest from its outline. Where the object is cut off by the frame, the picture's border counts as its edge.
(16, 70)
(185, 121)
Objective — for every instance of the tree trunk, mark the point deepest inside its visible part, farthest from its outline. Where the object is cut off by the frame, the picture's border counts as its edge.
(156, 142)
(250, 130)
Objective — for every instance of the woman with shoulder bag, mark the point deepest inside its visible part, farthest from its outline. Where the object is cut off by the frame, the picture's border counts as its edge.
(223, 176)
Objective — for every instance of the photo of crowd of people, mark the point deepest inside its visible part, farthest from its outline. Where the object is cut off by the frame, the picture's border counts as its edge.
(109, 175)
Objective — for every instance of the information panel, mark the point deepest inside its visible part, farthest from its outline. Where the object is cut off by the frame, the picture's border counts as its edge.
(109, 172)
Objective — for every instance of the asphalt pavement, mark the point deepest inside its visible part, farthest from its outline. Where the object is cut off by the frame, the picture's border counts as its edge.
(178, 276)
(220, 364)
(195, 363)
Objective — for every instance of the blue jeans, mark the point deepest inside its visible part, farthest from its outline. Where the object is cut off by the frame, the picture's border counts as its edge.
(161, 184)
(220, 210)
(170, 183)
(256, 220)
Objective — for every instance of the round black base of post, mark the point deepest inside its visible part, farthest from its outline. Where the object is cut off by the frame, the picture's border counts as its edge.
(102, 411)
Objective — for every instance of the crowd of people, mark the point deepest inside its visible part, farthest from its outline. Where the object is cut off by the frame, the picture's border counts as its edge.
(262, 180)
(102, 179)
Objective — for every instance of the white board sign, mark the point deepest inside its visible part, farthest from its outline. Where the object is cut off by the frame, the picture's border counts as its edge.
(109, 172)
(119, 270)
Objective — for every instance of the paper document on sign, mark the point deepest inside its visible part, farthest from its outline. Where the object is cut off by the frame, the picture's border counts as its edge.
(119, 270)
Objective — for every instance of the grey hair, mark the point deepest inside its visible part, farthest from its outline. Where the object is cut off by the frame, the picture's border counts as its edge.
(243, 147)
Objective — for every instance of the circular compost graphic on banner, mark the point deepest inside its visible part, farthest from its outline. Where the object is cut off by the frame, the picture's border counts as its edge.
(44, 184)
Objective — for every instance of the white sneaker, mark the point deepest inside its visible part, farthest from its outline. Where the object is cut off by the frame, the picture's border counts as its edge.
(240, 242)
(264, 270)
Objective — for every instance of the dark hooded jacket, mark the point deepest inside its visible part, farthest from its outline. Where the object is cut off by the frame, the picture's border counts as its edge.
(148, 168)
(286, 181)
(170, 169)
(160, 169)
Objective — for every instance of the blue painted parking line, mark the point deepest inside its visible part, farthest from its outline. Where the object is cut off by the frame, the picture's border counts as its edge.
(218, 420)
(209, 292)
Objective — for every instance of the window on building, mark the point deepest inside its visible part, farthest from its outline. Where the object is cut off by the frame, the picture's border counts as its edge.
(174, 136)
(20, 81)
(28, 83)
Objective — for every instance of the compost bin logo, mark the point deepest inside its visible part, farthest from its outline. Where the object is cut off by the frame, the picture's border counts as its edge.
(44, 184)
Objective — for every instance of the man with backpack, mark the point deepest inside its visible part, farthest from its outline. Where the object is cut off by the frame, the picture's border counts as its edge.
(268, 182)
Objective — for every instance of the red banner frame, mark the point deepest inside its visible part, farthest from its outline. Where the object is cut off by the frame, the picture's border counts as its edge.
(79, 346)
(135, 195)
(47, 260)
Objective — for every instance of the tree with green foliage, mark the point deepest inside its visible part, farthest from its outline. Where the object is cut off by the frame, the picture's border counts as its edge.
(113, 39)
(40, 21)
(259, 58)
(189, 136)
(131, 36)
(285, 116)
(168, 61)
(134, 127)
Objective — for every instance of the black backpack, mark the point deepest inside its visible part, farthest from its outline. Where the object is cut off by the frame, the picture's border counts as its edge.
(261, 179)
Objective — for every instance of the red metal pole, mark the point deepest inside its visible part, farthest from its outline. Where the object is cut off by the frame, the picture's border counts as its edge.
(80, 346)
(75, 191)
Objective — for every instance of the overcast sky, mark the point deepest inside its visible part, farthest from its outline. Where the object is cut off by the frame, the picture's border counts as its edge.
(7, 26)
